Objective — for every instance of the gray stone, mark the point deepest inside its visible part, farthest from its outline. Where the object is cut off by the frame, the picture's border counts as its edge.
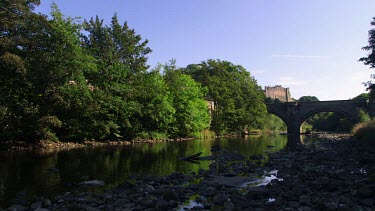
(86, 208)
(330, 205)
(365, 192)
(16, 207)
(293, 204)
(41, 209)
(147, 203)
(36, 205)
(92, 183)
(149, 188)
(304, 208)
(20, 198)
(61, 201)
(368, 202)
(228, 206)
(219, 199)
(304, 200)
(161, 204)
(46, 203)
(170, 195)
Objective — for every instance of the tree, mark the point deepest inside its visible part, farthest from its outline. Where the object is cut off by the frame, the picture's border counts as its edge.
(308, 99)
(370, 58)
(188, 101)
(362, 96)
(22, 42)
(238, 100)
(122, 79)
(155, 114)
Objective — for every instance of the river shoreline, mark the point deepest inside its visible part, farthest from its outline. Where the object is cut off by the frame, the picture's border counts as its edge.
(330, 174)
(50, 145)
(58, 145)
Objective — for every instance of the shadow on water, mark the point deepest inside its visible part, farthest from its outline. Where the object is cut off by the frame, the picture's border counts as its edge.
(47, 173)
(293, 142)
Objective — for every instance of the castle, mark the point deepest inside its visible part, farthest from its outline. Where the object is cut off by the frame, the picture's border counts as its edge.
(278, 92)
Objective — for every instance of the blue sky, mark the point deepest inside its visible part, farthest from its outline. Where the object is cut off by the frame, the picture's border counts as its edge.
(310, 46)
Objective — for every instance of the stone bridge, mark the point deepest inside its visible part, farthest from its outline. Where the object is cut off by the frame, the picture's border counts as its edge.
(295, 113)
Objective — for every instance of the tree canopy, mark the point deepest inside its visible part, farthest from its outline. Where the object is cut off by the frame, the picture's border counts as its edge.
(308, 99)
(370, 58)
(238, 99)
(68, 80)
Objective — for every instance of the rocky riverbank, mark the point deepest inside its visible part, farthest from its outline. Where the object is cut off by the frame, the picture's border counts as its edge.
(325, 175)
(51, 145)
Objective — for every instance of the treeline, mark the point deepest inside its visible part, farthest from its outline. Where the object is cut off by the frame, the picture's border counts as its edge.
(70, 81)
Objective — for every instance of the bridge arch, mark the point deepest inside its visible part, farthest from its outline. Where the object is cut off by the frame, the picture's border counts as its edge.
(278, 114)
(352, 117)
(295, 113)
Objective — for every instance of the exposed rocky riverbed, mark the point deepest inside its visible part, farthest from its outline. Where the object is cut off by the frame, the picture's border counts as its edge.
(335, 173)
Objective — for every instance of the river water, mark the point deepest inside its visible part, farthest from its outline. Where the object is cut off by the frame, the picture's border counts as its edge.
(47, 173)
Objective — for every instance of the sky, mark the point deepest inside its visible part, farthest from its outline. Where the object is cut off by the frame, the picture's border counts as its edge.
(310, 46)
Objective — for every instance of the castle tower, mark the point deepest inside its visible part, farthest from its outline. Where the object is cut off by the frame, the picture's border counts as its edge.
(278, 92)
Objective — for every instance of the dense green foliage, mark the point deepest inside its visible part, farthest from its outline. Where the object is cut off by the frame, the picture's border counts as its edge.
(238, 100)
(188, 101)
(273, 123)
(370, 58)
(308, 99)
(62, 80)
(269, 100)
(365, 132)
(362, 96)
(329, 121)
(68, 80)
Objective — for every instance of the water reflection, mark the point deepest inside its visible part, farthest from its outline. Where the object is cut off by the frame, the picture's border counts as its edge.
(46, 173)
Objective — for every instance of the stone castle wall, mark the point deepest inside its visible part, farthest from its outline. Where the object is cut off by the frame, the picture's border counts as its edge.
(278, 92)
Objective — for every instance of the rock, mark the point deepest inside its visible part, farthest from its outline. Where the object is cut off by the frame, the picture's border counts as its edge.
(365, 192)
(85, 207)
(60, 201)
(123, 203)
(304, 208)
(207, 205)
(256, 195)
(170, 196)
(149, 188)
(41, 209)
(46, 203)
(16, 207)
(20, 199)
(219, 199)
(92, 183)
(228, 206)
(147, 203)
(330, 205)
(161, 204)
(293, 204)
(36, 205)
(369, 202)
(304, 200)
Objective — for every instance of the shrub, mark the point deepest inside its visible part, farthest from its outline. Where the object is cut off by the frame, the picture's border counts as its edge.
(364, 131)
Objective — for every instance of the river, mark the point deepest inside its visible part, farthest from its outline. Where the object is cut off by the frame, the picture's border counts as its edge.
(47, 173)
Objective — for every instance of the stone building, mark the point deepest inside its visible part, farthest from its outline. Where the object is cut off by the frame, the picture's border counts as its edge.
(278, 92)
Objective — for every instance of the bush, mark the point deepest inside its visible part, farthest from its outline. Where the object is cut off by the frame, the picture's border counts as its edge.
(364, 131)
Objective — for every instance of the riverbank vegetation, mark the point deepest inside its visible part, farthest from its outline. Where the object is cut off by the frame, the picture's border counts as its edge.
(364, 131)
(63, 79)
